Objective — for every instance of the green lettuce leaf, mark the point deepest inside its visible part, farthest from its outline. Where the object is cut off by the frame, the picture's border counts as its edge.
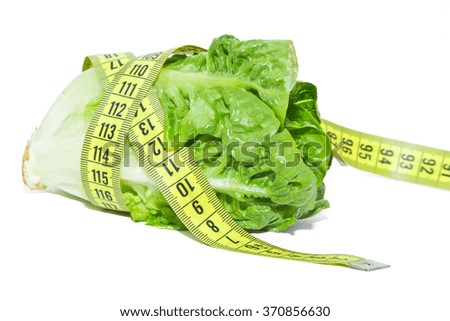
(303, 123)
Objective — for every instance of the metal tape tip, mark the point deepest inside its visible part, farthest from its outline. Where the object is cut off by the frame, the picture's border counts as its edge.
(368, 265)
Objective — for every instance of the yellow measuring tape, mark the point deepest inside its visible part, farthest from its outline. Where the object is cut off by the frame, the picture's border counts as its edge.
(390, 157)
(130, 108)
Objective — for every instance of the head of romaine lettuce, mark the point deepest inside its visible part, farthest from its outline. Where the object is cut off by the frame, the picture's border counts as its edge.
(251, 126)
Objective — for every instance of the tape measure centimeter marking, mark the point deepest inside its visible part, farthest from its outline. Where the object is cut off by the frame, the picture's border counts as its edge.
(107, 65)
(389, 157)
(103, 145)
(188, 192)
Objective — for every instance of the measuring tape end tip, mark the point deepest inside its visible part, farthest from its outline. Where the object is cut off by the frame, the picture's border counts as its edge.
(368, 265)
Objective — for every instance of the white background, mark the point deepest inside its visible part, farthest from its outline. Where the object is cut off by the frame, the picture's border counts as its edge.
(380, 67)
